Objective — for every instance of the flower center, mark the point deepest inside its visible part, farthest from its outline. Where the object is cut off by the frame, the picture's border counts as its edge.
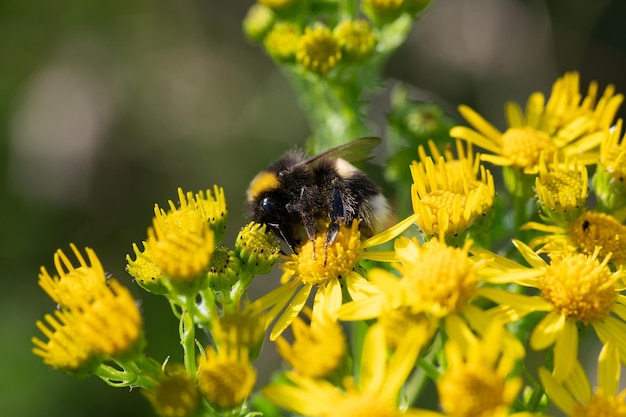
(579, 287)
(601, 230)
(523, 146)
(562, 191)
(316, 263)
(361, 406)
(225, 381)
(442, 277)
(398, 322)
(480, 389)
(601, 405)
(318, 50)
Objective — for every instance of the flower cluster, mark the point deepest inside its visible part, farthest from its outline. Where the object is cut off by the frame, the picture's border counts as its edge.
(454, 294)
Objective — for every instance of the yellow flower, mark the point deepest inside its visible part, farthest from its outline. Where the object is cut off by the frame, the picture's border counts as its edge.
(326, 269)
(318, 50)
(282, 41)
(480, 377)
(91, 326)
(562, 188)
(73, 284)
(182, 241)
(435, 280)
(176, 394)
(318, 348)
(565, 126)
(258, 21)
(239, 329)
(376, 394)
(590, 232)
(575, 288)
(146, 273)
(257, 249)
(355, 37)
(609, 180)
(226, 378)
(574, 395)
(448, 195)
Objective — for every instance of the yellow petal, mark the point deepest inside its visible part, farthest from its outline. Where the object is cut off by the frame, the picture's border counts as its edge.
(557, 393)
(546, 330)
(565, 351)
(513, 113)
(479, 123)
(609, 369)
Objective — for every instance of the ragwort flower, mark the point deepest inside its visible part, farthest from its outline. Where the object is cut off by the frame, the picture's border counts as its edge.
(574, 395)
(376, 393)
(480, 377)
(98, 319)
(590, 232)
(436, 281)
(566, 125)
(326, 270)
(318, 50)
(575, 289)
(449, 194)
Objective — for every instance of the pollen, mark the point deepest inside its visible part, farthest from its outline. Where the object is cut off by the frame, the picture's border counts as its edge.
(524, 145)
(315, 263)
(480, 388)
(318, 50)
(599, 230)
(601, 405)
(442, 277)
(579, 286)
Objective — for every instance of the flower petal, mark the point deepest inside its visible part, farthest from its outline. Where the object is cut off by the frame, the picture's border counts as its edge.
(480, 124)
(547, 330)
(609, 369)
(557, 392)
(565, 351)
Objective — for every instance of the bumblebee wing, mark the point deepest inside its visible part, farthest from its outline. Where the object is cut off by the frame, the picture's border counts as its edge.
(354, 151)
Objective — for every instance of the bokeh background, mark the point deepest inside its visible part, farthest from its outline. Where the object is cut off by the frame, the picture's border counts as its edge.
(106, 107)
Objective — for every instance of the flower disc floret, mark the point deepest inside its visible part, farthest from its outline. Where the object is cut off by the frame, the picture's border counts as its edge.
(599, 231)
(562, 187)
(282, 41)
(579, 286)
(176, 394)
(316, 263)
(442, 278)
(225, 379)
(181, 243)
(318, 50)
(355, 37)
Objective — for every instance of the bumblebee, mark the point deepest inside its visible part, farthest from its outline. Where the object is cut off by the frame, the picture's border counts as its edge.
(296, 194)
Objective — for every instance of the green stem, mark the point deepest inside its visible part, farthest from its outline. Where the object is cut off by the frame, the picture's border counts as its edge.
(187, 332)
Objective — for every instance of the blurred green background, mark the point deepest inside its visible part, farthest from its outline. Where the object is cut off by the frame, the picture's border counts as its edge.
(106, 107)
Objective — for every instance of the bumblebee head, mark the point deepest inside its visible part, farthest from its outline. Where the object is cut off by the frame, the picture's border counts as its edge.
(267, 205)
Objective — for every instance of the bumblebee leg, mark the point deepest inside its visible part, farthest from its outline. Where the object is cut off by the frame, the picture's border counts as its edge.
(337, 218)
